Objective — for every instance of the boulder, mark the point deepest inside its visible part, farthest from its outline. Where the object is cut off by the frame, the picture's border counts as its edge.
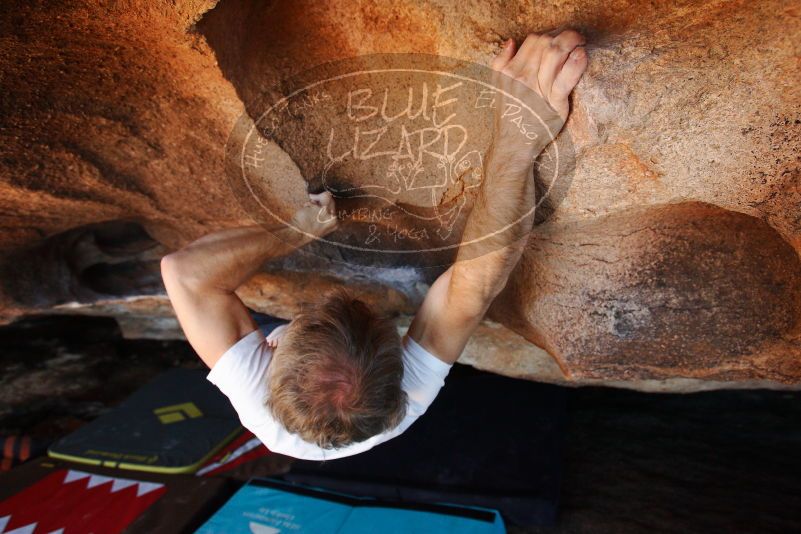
(666, 257)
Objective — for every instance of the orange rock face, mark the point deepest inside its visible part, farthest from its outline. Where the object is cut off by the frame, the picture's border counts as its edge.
(667, 259)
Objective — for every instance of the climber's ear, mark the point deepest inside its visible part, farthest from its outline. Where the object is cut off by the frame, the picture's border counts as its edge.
(276, 335)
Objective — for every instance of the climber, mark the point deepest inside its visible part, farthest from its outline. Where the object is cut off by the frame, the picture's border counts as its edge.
(338, 379)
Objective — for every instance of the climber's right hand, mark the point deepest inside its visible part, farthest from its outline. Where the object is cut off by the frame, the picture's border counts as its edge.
(318, 217)
(540, 74)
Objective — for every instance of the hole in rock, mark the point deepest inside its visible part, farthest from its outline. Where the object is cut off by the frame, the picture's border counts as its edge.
(124, 260)
(113, 258)
(123, 278)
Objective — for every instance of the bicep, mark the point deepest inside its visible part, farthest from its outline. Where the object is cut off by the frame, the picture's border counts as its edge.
(212, 320)
(449, 315)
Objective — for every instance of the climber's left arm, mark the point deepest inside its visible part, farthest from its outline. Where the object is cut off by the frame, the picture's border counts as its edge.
(201, 279)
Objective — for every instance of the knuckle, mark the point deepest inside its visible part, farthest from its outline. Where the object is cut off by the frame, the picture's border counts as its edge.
(572, 34)
(509, 71)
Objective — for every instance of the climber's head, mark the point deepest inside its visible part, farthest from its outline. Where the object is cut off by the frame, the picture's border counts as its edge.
(335, 375)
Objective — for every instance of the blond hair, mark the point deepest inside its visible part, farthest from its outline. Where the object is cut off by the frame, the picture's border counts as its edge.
(335, 377)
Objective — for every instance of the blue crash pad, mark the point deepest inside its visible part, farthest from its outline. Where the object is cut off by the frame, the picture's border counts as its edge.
(266, 506)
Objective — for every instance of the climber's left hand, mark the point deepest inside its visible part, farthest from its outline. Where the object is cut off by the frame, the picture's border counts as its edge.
(317, 218)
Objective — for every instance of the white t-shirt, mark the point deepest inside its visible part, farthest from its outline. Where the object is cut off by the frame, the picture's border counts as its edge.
(240, 375)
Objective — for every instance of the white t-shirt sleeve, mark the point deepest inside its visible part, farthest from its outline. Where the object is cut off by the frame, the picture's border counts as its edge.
(423, 376)
(240, 374)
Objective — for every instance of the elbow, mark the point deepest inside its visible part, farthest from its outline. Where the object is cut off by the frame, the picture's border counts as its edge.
(176, 270)
(169, 268)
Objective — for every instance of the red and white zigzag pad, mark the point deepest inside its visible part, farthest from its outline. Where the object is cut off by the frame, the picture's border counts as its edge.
(69, 501)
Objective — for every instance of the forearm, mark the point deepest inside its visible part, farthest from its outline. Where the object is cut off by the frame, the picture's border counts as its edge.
(201, 279)
(226, 259)
(500, 222)
(459, 298)
(498, 225)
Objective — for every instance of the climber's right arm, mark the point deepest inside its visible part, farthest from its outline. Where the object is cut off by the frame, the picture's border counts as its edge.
(541, 74)
(460, 297)
(201, 279)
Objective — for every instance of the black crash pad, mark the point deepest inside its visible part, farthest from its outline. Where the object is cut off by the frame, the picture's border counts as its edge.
(487, 440)
(171, 425)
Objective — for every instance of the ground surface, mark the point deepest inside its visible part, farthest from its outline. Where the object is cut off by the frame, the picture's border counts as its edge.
(723, 461)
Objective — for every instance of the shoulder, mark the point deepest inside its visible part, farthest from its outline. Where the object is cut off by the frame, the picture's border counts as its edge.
(250, 354)
(241, 374)
(423, 376)
(416, 356)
